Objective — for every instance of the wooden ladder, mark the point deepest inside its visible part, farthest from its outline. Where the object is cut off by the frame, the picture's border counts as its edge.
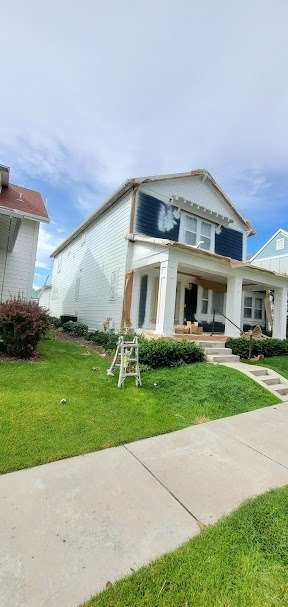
(127, 353)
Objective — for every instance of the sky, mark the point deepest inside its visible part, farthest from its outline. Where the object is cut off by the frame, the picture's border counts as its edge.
(94, 92)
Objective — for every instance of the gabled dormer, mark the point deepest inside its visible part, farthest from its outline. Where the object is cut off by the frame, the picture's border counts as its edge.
(192, 209)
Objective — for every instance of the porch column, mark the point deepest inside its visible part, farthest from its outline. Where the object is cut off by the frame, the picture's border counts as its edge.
(166, 297)
(233, 306)
(280, 312)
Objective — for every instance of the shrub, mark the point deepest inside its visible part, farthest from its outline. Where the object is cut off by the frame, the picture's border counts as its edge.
(267, 347)
(22, 324)
(107, 341)
(77, 329)
(55, 322)
(169, 353)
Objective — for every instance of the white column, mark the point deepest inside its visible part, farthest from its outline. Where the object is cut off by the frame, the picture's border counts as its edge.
(280, 312)
(135, 300)
(233, 306)
(166, 298)
(149, 299)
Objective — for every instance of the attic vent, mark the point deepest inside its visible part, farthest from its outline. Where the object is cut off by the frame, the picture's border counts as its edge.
(279, 244)
(20, 199)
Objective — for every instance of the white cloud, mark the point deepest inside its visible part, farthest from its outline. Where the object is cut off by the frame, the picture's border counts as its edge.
(47, 242)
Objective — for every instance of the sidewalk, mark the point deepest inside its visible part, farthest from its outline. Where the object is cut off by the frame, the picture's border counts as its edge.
(69, 527)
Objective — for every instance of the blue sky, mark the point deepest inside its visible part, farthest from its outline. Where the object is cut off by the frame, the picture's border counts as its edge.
(118, 89)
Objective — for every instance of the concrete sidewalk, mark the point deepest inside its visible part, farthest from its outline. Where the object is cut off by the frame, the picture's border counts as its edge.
(69, 527)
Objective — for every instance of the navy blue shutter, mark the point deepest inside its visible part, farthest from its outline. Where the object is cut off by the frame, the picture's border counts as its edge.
(229, 243)
(156, 219)
(142, 300)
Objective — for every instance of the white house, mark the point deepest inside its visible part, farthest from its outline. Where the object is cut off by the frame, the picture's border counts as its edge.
(21, 211)
(159, 251)
(273, 255)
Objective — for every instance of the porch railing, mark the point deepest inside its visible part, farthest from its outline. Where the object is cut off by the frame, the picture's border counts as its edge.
(232, 323)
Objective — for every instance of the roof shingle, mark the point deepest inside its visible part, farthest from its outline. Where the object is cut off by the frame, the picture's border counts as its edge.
(21, 199)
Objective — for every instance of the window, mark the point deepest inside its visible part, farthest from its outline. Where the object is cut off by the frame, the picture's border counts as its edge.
(258, 309)
(190, 230)
(218, 302)
(195, 230)
(279, 244)
(205, 301)
(247, 307)
(205, 235)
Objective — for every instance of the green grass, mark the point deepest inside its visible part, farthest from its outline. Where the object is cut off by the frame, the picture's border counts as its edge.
(240, 562)
(277, 363)
(35, 428)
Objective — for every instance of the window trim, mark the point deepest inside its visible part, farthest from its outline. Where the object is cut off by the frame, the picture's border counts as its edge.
(199, 221)
(253, 295)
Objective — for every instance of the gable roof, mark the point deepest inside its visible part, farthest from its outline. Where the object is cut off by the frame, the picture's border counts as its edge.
(136, 181)
(277, 233)
(21, 200)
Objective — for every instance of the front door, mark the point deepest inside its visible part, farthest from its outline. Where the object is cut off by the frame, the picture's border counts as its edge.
(190, 305)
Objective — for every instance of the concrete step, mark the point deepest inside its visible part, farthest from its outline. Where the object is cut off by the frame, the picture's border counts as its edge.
(221, 351)
(230, 358)
(211, 344)
(283, 391)
(259, 371)
(271, 381)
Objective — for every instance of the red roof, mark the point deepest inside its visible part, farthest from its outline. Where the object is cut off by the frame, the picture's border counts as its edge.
(23, 200)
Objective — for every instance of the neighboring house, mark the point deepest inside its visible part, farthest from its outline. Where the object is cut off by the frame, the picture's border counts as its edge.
(44, 296)
(162, 250)
(21, 211)
(274, 253)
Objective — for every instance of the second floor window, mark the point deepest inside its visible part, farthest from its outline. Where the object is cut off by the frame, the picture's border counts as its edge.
(197, 230)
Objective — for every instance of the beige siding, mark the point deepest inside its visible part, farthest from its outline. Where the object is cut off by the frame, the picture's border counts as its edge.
(88, 276)
(17, 267)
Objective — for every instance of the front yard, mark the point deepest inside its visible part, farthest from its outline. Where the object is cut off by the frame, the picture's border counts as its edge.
(36, 428)
(242, 561)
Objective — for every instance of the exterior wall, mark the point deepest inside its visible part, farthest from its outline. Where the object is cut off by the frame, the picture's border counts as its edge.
(276, 263)
(88, 275)
(270, 249)
(44, 298)
(156, 217)
(17, 267)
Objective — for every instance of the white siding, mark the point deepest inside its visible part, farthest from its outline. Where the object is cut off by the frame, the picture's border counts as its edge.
(17, 267)
(88, 275)
(44, 298)
(277, 264)
(195, 189)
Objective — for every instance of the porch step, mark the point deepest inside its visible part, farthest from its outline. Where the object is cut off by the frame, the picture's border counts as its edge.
(216, 358)
(259, 372)
(272, 381)
(221, 351)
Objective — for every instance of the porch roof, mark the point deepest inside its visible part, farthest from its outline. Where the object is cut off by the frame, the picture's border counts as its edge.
(201, 253)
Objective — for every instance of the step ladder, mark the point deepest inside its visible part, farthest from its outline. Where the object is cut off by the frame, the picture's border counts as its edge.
(127, 360)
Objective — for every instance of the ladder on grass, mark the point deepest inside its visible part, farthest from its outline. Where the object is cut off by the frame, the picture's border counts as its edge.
(127, 360)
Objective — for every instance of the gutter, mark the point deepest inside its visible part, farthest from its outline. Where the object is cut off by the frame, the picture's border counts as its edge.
(20, 215)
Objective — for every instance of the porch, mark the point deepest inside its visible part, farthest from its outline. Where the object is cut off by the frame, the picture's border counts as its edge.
(173, 286)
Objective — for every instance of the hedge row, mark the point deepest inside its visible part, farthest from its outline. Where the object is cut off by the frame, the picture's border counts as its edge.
(267, 347)
(155, 352)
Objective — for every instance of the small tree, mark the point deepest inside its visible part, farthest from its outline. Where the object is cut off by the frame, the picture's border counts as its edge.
(22, 324)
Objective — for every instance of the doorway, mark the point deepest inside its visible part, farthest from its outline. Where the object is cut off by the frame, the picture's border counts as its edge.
(190, 302)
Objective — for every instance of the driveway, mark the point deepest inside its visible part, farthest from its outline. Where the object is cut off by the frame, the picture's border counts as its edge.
(70, 527)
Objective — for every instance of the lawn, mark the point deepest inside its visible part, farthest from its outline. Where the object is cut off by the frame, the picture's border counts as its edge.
(36, 428)
(240, 562)
(277, 363)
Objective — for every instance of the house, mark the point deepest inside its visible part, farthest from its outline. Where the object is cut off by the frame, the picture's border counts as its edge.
(159, 251)
(274, 253)
(21, 211)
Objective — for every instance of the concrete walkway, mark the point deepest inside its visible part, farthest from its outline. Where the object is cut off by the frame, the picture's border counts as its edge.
(70, 527)
(265, 377)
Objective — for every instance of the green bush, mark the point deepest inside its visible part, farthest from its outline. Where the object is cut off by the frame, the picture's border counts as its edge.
(107, 341)
(169, 353)
(55, 322)
(77, 329)
(22, 324)
(267, 347)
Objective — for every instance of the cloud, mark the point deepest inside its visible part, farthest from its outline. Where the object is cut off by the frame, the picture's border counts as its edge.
(47, 242)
